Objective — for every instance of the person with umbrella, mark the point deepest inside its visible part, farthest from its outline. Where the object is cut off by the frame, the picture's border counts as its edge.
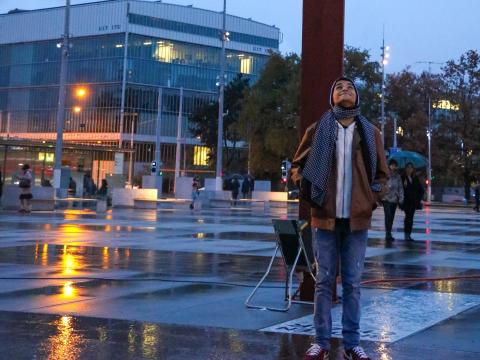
(413, 194)
(404, 157)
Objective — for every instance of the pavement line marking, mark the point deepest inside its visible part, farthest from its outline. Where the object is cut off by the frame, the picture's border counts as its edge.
(390, 316)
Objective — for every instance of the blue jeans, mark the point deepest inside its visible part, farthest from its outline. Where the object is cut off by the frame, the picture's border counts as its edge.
(350, 248)
(195, 195)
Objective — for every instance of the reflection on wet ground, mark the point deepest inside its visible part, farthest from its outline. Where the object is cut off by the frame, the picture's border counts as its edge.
(40, 336)
(71, 272)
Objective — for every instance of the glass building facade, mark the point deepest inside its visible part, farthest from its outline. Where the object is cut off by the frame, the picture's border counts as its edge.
(29, 87)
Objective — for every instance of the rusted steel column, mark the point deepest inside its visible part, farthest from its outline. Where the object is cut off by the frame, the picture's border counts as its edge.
(322, 61)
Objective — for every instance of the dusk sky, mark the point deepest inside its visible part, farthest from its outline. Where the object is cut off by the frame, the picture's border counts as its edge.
(416, 30)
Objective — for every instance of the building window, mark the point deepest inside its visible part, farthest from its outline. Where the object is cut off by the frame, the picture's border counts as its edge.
(200, 156)
(47, 157)
(164, 51)
(177, 26)
(245, 64)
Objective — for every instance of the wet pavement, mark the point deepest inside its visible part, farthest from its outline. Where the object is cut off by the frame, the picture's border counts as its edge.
(171, 284)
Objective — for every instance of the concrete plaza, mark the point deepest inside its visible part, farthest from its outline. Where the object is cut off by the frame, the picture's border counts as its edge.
(171, 284)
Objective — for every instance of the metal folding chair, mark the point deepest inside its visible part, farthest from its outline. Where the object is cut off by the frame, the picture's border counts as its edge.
(294, 242)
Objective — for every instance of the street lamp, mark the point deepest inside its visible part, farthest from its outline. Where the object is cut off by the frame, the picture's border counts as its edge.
(385, 57)
(57, 172)
(80, 93)
(395, 130)
(429, 133)
(224, 37)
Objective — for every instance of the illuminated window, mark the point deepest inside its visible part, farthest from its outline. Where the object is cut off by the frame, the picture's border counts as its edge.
(47, 157)
(245, 64)
(164, 52)
(200, 155)
(445, 105)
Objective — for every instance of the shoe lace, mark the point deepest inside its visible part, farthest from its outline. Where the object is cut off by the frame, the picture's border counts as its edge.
(314, 349)
(358, 350)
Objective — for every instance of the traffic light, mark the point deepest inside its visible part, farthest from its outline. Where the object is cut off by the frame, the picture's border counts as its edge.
(427, 182)
(153, 167)
(286, 165)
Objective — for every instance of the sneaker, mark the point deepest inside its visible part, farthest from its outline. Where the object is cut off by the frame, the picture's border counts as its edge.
(356, 353)
(316, 352)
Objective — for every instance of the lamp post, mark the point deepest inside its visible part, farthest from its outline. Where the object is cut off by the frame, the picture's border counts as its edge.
(429, 132)
(158, 143)
(394, 130)
(385, 56)
(178, 149)
(131, 163)
(429, 139)
(224, 38)
(57, 172)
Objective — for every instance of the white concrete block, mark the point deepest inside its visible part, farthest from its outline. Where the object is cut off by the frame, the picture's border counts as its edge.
(270, 195)
(183, 187)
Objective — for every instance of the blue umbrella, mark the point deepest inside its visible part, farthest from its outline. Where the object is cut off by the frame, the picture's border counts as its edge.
(405, 157)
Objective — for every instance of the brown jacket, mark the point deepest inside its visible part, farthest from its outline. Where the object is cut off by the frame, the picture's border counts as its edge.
(364, 200)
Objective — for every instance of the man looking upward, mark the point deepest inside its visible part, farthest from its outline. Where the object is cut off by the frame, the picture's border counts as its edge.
(341, 169)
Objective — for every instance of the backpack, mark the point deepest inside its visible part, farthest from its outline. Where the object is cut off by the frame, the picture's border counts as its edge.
(24, 183)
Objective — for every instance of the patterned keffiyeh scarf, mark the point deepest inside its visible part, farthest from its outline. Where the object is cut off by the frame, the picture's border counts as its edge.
(319, 163)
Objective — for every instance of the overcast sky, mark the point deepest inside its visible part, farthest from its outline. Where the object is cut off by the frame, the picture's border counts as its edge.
(416, 30)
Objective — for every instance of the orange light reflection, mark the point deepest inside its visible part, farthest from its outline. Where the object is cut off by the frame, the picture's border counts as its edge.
(66, 343)
(68, 291)
(44, 256)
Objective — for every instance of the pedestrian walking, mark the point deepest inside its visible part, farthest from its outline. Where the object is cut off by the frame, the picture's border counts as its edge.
(341, 170)
(235, 185)
(245, 187)
(393, 198)
(1, 184)
(195, 191)
(413, 194)
(25, 185)
(72, 187)
(476, 188)
(89, 187)
(251, 180)
(103, 191)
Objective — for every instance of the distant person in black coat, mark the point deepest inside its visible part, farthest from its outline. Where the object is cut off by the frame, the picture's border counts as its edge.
(103, 191)
(1, 184)
(235, 189)
(252, 185)
(413, 195)
(245, 187)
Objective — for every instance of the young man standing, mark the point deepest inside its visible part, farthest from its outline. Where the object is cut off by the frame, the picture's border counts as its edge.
(341, 169)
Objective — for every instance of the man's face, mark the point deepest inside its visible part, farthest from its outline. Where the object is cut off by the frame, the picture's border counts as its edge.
(344, 94)
(393, 166)
(409, 169)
